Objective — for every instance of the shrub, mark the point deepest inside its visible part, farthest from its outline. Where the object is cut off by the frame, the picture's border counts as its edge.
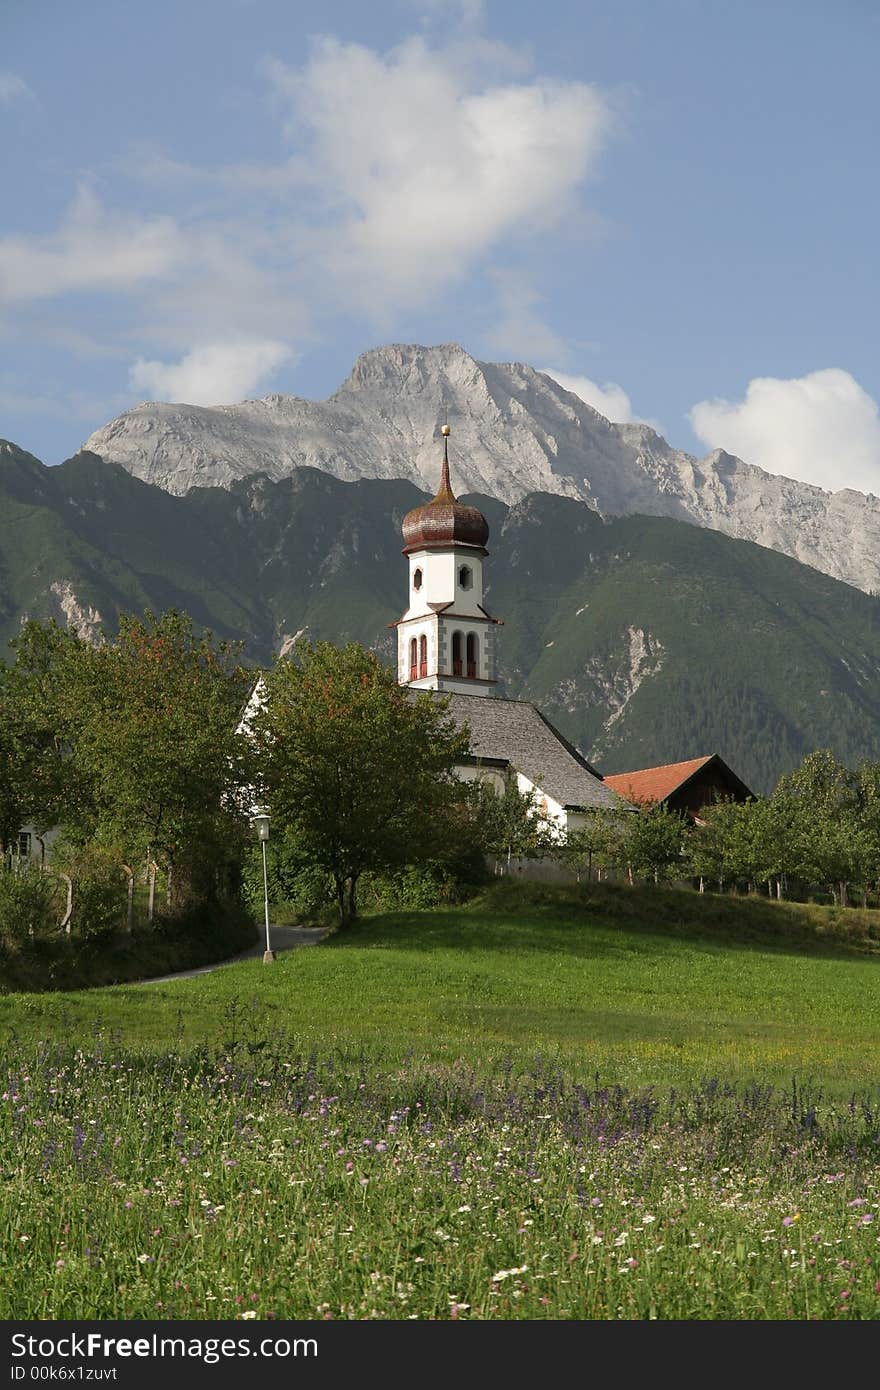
(416, 887)
(99, 888)
(31, 905)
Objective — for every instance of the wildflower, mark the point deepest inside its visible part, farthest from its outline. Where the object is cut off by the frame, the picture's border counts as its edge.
(249, 1313)
(790, 1220)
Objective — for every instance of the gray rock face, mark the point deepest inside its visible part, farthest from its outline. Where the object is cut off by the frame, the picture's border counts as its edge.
(515, 431)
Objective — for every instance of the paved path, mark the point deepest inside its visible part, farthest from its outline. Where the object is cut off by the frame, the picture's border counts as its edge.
(283, 939)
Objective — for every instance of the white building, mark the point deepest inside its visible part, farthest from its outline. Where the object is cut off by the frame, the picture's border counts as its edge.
(446, 643)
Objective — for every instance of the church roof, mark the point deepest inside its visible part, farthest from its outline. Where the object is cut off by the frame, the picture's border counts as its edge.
(516, 732)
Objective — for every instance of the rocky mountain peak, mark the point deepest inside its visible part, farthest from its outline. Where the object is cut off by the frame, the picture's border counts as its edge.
(515, 431)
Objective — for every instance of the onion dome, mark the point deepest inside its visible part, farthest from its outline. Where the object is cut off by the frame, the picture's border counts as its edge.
(444, 521)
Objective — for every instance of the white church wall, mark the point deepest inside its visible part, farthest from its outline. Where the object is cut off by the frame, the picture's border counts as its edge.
(415, 631)
(494, 777)
(549, 810)
(440, 572)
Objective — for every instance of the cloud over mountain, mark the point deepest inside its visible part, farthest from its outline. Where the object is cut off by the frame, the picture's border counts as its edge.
(822, 428)
(424, 159)
(212, 374)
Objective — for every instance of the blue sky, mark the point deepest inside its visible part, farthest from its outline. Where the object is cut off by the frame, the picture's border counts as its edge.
(672, 204)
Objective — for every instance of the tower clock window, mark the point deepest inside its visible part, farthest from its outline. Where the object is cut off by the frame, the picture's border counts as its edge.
(465, 577)
(417, 579)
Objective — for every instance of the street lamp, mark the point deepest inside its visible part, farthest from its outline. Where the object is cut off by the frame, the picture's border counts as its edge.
(261, 825)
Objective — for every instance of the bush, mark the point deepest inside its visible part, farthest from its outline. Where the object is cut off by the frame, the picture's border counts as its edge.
(31, 905)
(299, 888)
(416, 887)
(185, 941)
(100, 888)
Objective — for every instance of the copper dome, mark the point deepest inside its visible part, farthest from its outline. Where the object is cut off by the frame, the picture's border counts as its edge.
(444, 521)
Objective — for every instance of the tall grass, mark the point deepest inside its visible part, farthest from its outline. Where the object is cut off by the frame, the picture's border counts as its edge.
(250, 1180)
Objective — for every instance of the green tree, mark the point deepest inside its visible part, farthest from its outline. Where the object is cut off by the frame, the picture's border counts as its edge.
(829, 841)
(38, 697)
(128, 745)
(505, 824)
(597, 842)
(868, 792)
(653, 843)
(155, 741)
(358, 769)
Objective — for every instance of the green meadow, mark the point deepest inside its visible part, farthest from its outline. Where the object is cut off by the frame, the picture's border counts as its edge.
(642, 987)
(597, 1103)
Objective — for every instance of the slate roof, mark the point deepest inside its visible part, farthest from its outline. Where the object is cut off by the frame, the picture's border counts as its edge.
(516, 732)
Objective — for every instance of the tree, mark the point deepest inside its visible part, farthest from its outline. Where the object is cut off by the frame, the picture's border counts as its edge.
(868, 793)
(596, 843)
(128, 745)
(155, 741)
(829, 842)
(359, 770)
(653, 843)
(506, 823)
(38, 695)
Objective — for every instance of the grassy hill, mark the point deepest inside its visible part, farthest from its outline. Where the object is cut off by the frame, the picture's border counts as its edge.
(646, 640)
(545, 1105)
(643, 987)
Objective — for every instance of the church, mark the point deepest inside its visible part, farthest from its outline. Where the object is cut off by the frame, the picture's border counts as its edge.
(446, 643)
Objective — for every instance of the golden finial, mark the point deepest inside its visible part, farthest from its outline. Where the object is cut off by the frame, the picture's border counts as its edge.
(445, 431)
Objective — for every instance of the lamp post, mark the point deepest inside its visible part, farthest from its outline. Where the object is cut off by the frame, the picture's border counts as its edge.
(261, 823)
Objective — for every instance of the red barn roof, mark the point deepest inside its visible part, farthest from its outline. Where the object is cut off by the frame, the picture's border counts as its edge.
(653, 784)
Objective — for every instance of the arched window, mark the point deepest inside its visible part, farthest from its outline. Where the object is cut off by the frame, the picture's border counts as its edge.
(417, 579)
(471, 655)
(423, 657)
(413, 660)
(456, 654)
(465, 577)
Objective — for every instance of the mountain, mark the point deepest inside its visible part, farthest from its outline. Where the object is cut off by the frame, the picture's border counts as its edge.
(645, 639)
(515, 431)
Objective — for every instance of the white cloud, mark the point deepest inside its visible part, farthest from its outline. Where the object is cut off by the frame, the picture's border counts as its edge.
(213, 373)
(430, 157)
(822, 428)
(13, 88)
(406, 171)
(610, 400)
(93, 250)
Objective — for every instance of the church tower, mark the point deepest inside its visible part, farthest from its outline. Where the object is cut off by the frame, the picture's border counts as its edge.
(446, 639)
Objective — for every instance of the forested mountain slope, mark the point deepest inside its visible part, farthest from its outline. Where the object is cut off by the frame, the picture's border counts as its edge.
(646, 639)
